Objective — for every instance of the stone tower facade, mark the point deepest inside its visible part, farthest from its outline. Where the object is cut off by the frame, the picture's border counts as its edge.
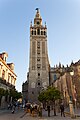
(38, 78)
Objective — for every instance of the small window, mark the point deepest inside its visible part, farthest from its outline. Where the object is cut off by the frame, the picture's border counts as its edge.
(39, 84)
(38, 45)
(38, 66)
(38, 51)
(38, 59)
(32, 92)
(38, 22)
(38, 74)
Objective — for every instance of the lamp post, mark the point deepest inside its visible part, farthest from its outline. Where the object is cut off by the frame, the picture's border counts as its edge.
(71, 109)
(70, 101)
(75, 100)
(75, 105)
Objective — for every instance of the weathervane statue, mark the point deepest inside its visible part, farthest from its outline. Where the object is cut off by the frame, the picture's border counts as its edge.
(37, 9)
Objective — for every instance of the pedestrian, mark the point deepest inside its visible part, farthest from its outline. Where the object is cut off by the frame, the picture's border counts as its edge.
(40, 107)
(31, 108)
(8, 106)
(13, 109)
(62, 109)
(48, 109)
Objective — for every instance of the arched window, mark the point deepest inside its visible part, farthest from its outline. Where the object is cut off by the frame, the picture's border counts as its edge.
(44, 33)
(55, 77)
(41, 32)
(38, 59)
(32, 32)
(38, 31)
(35, 32)
(38, 74)
(3, 74)
(38, 83)
(8, 77)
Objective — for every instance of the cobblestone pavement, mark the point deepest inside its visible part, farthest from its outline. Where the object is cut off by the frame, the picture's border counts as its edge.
(21, 115)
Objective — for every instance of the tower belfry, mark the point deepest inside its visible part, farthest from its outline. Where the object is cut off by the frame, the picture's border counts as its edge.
(38, 78)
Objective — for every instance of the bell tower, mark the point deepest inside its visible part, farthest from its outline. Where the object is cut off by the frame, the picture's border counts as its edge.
(38, 78)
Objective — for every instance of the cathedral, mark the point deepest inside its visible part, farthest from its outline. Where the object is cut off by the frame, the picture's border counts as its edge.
(41, 75)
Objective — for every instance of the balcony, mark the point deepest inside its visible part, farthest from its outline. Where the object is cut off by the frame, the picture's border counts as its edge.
(4, 82)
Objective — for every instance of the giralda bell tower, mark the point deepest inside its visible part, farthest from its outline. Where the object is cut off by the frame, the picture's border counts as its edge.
(38, 78)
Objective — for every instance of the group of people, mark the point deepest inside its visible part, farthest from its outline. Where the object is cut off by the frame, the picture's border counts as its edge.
(34, 109)
(37, 109)
(61, 110)
(12, 106)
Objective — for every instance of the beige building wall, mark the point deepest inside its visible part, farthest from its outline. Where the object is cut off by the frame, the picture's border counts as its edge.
(7, 70)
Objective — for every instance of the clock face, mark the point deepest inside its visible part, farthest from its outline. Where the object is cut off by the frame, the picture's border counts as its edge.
(38, 23)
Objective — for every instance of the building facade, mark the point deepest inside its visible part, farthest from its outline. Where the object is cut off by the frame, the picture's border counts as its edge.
(68, 83)
(7, 79)
(38, 78)
(7, 75)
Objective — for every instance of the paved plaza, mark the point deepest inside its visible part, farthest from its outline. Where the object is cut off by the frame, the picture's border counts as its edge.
(21, 115)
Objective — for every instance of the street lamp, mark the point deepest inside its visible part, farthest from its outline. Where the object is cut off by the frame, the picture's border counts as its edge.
(73, 89)
(75, 100)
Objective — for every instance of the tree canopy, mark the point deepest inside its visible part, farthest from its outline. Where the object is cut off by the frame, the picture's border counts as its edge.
(12, 93)
(50, 94)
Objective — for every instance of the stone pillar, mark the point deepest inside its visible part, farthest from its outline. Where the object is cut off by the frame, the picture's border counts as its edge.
(71, 109)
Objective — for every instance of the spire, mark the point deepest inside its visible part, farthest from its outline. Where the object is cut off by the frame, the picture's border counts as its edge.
(37, 13)
(37, 10)
(59, 65)
(31, 24)
(45, 24)
(37, 19)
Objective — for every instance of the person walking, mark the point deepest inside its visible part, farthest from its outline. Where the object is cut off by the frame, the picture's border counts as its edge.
(13, 109)
(62, 109)
(48, 109)
(40, 110)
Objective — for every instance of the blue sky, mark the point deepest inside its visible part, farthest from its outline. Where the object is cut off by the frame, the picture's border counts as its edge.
(63, 26)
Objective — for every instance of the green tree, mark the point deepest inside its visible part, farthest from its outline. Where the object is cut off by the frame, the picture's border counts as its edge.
(15, 94)
(42, 96)
(50, 94)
